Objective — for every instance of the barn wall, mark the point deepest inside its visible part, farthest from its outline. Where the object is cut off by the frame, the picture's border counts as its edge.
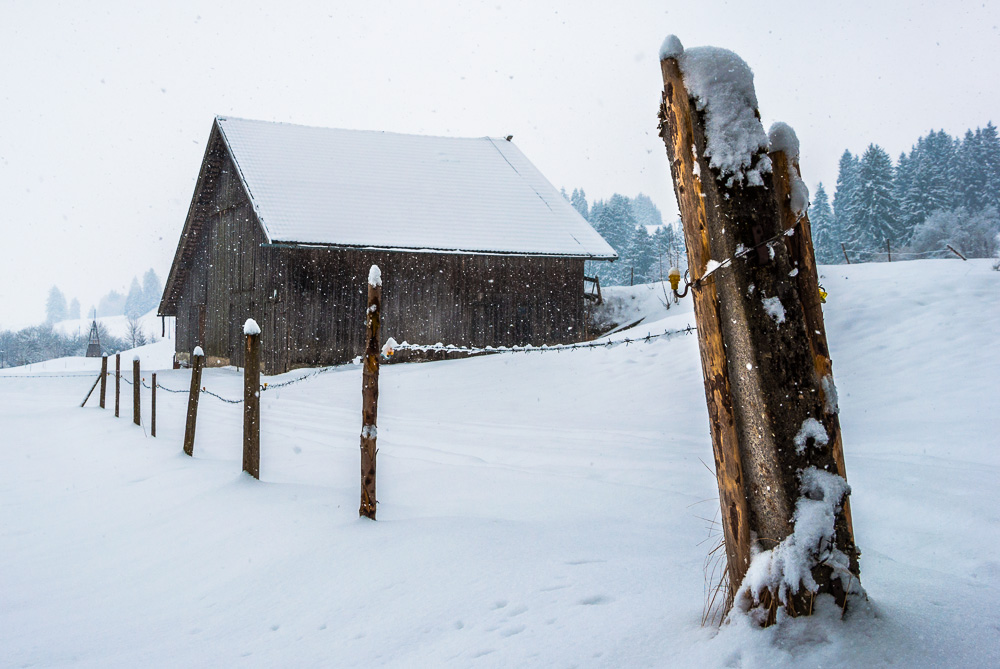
(427, 298)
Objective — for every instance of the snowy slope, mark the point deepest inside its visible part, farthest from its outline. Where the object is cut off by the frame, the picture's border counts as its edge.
(536, 509)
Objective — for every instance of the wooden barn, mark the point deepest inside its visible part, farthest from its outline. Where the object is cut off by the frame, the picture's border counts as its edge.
(476, 247)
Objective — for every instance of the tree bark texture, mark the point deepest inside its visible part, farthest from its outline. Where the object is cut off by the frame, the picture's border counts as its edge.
(251, 406)
(773, 386)
(193, 394)
(369, 401)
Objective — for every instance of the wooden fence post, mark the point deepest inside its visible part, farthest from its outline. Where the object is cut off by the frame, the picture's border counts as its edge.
(197, 360)
(369, 394)
(104, 378)
(766, 400)
(136, 387)
(844, 249)
(251, 399)
(91, 392)
(888, 250)
(118, 382)
(152, 407)
(955, 251)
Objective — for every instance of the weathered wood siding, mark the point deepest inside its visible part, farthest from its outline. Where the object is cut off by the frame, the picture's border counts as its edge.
(310, 302)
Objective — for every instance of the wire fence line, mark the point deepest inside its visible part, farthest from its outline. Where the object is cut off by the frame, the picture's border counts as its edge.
(405, 346)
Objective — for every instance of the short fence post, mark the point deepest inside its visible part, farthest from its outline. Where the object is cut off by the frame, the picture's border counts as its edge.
(369, 394)
(118, 383)
(955, 251)
(96, 381)
(888, 250)
(152, 408)
(104, 378)
(844, 249)
(251, 399)
(197, 359)
(136, 386)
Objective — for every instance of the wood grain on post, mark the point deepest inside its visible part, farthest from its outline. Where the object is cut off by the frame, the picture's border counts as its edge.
(251, 400)
(118, 382)
(152, 407)
(677, 131)
(192, 411)
(136, 387)
(369, 394)
(774, 389)
(104, 378)
(803, 258)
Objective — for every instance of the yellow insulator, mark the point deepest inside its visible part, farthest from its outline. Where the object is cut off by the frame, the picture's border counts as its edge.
(822, 295)
(674, 275)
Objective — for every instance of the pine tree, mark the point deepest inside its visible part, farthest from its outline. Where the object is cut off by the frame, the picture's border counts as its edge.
(152, 290)
(579, 201)
(55, 306)
(824, 230)
(990, 156)
(844, 200)
(74, 309)
(645, 212)
(877, 214)
(134, 301)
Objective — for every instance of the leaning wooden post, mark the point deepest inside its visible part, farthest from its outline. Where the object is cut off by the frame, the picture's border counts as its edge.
(152, 407)
(136, 387)
(792, 197)
(104, 378)
(369, 394)
(197, 360)
(118, 382)
(251, 399)
(786, 467)
(677, 130)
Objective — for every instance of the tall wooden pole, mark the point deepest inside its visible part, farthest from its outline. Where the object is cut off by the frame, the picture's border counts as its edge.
(369, 394)
(251, 399)
(104, 378)
(118, 382)
(775, 394)
(152, 407)
(136, 387)
(197, 360)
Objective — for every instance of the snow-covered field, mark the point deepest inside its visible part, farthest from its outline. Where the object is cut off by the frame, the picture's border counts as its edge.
(536, 509)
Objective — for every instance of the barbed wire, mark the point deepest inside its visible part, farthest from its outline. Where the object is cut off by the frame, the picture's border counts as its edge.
(426, 348)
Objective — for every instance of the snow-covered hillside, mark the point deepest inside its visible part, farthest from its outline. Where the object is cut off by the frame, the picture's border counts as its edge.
(536, 509)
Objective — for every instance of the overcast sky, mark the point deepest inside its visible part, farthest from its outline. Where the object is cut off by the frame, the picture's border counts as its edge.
(105, 107)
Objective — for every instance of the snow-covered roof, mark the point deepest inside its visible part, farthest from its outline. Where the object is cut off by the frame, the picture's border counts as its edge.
(370, 189)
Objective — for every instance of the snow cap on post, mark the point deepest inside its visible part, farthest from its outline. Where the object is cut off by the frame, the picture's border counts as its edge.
(374, 276)
(135, 358)
(722, 85)
(781, 137)
(251, 327)
(198, 352)
(671, 47)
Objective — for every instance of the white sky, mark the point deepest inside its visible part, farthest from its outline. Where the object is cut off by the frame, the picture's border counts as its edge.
(105, 107)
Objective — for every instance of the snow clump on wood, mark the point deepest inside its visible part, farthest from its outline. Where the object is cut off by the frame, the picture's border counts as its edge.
(722, 85)
(198, 352)
(775, 309)
(374, 276)
(781, 137)
(671, 47)
(251, 327)
(788, 566)
(810, 429)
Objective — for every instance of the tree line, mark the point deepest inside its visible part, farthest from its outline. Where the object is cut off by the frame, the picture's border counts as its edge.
(945, 190)
(647, 247)
(141, 298)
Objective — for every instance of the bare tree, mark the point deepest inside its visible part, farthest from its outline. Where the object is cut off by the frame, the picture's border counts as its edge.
(134, 334)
